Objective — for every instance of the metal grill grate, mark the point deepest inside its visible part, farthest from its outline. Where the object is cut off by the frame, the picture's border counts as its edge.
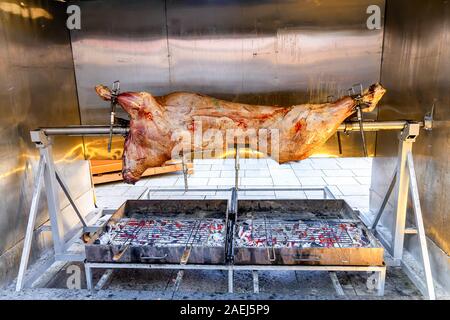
(300, 234)
(166, 232)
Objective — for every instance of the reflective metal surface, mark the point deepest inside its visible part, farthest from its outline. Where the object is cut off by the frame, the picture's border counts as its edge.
(37, 88)
(416, 69)
(118, 40)
(266, 52)
(85, 130)
(98, 130)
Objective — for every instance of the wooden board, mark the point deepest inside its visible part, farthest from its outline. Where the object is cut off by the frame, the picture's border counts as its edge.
(104, 171)
(105, 166)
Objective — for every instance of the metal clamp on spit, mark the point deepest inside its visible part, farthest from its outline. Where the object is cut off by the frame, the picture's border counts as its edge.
(360, 105)
(114, 93)
(185, 171)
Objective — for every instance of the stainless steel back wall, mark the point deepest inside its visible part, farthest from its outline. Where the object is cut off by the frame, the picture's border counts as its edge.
(416, 70)
(37, 88)
(268, 52)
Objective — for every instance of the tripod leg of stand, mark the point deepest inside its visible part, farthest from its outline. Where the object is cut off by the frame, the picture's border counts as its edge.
(385, 200)
(420, 228)
(51, 191)
(30, 226)
(185, 172)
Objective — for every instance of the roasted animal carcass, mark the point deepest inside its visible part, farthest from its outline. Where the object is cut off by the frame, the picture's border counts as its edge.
(159, 125)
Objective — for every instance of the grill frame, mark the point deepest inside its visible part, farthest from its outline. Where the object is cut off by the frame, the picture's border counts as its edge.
(298, 209)
(153, 209)
(329, 210)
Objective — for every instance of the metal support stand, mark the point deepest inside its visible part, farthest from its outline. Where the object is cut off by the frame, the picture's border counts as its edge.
(88, 271)
(420, 228)
(379, 270)
(230, 280)
(185, 172)
(236, 168)
(381, 280)
(255, 281)
(48, 174)
(336, 284)
(30, 226)
(404, 178)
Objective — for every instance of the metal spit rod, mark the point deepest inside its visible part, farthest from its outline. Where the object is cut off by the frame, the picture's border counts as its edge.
(87, 130)
(374, 125)
(96, 130)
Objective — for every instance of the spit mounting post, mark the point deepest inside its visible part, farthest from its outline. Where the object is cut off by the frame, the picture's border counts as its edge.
(236, 168)
(360, 105)
(361, 129)
(114, 93)
(404, 180)
(185, 171)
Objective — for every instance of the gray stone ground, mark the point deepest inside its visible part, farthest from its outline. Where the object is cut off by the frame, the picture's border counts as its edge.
(196, 284)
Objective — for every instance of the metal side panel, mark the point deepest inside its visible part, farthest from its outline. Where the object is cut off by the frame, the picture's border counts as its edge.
(119, 40)
(416, 71)
(37, 88)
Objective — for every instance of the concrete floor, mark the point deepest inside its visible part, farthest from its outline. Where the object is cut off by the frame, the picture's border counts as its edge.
(347, 178)
(159, 284)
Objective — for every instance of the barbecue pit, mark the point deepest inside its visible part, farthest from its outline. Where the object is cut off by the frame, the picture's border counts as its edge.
(162, 231)
(317, 232)
(235, 235)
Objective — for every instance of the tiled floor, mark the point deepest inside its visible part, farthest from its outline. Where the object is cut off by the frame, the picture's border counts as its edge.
(347, 178)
